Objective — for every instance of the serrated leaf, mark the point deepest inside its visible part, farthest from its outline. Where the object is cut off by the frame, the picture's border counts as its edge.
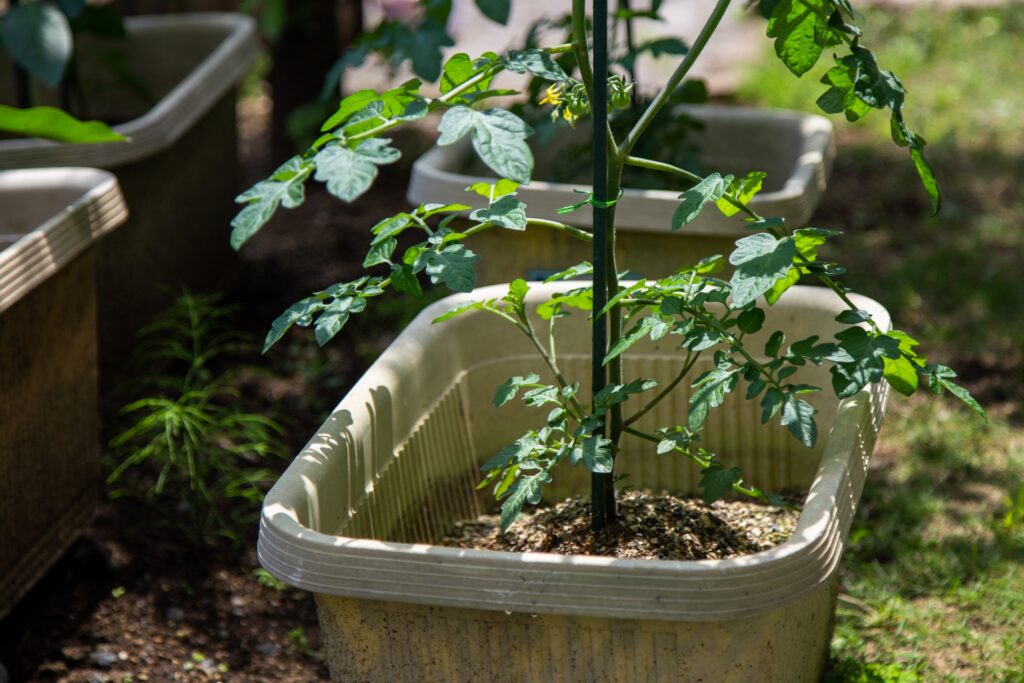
(596, 454)
(510, 387)
(536, 62)
(760, 261)
(380, 253)
(716, 481)
(964, 395)
(459, 310)
(452, 266)
(582, 299)
(693, 200)
(349, 172)
(404, 280)
(493, 191)
(38, 38)
(710, 391)
(54, 124)
(284, 187)
(300, 311)
(771, 402)
(572, 273)
(498, 138)
(742, 190)
(506, 212)
(801, 31)
(798, 418)
(527, 489)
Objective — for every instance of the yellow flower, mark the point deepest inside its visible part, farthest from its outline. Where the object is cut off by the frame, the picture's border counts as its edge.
(569, 116)
(553, 95)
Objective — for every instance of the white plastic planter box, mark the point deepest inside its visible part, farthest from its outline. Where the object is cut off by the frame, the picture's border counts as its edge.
(179, 171)
(49, 416)
(355, 517)
(796, 150)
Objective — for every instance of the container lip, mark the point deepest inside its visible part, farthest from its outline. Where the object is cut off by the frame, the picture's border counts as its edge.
(174, 114)
(650, 210)
(659, 589)
(70, 229)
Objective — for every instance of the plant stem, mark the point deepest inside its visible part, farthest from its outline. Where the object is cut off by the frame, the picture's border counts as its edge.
(676, 78)
(691, 358)
(541, 223)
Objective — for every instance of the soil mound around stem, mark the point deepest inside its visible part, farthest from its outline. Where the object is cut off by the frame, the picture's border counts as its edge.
(649, 527)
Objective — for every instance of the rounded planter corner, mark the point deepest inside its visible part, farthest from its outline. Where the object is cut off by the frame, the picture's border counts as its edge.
(49, 412)
(796, 150)
(178, 169)
(356, 518)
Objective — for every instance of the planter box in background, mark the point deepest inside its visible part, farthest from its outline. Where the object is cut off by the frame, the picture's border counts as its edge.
(170, 86)
(49, 415)
(796, 150)
(355, 517)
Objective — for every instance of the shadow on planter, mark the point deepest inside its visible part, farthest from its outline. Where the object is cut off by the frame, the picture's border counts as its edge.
(49, 417)
(169, 85)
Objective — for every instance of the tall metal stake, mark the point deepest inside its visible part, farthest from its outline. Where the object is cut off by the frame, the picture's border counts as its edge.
(602, 485)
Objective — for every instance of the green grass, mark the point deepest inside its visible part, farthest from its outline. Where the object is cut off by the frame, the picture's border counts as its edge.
(933, 582)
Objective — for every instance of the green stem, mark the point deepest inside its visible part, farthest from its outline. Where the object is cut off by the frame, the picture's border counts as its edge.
(661, 99)
(691, 359)
(541, 223)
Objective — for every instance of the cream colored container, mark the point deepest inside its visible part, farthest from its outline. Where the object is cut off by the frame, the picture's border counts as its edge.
(50, 220)
(796, 150)
(172, 81)
(356, 516)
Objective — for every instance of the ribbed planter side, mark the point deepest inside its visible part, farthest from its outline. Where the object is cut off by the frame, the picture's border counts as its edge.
(179, 171)
(796, 150)
(355, 516)
(49, 415)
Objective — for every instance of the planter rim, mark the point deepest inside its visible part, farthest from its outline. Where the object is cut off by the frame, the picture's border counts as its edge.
(70, 229)
(433, 179)
(701, 590)
(173, 115)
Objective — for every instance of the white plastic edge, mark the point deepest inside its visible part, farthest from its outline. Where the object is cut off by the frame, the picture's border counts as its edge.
(71, 228)
(173, 115)
(704, 590)
(434, 179)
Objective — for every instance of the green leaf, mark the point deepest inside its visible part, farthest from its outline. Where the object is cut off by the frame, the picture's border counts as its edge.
(452, 265)
(583, 299)
(760, 261)
(54, 124)
(597, 454)
(853, 317)
(390, 227)
(638, 332)
(527, 489)
(710, 392)
(774, 343)
(493, 191)
(536, 62)
(510, 387)
(423, 48)
(404, 280)
(284, 187)
(38, 37)
(798, 418)
(927, 175)
(859, 360)
(781, 285)
(507, 212)
(573, 272)
(348, 172)
(708, 190)
(742, 190)
(498, 138)
(459, 310)
(380, 252)
(901, 375)
(300, 313)
(613, 394)
(355, 102)
(457, 70)
(939, 378)
(801, 31)
(495, 10)
(750, 321)
(770, 404)
(716, 481)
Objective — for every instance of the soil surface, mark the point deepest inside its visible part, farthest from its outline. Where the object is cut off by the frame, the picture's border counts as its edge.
(650, 527)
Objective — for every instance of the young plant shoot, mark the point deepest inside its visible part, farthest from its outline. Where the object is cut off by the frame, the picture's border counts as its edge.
(712, 317)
